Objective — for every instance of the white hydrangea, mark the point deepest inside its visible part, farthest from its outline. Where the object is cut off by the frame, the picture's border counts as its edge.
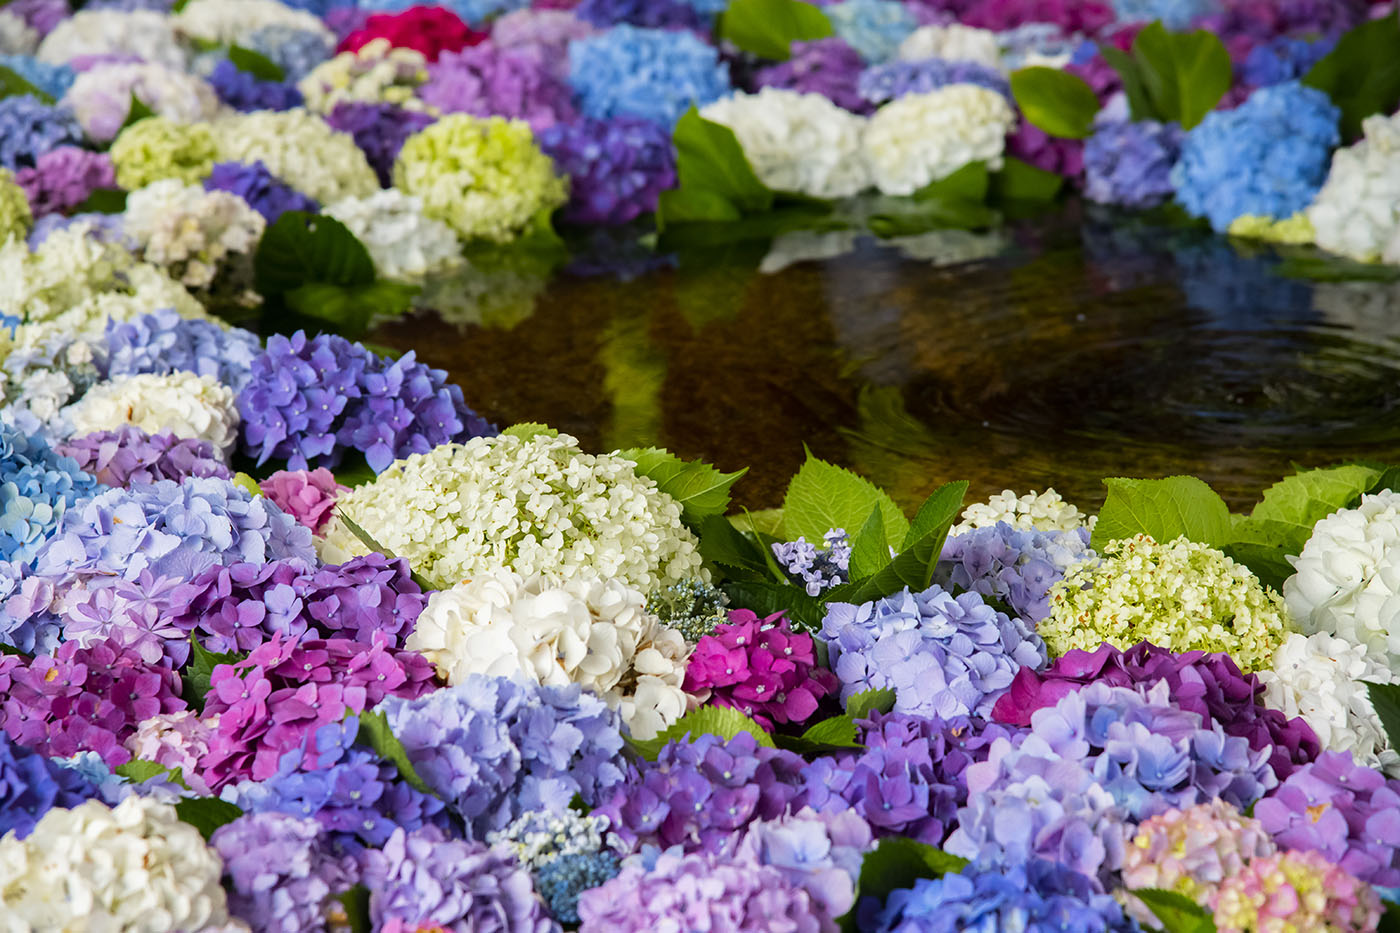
(954, 42)
(404, 244)
(16, 36)
(535, 505)
(797, 142)
(146, 34)
(921, 138)
(1045, 511)
(191, 232)
(301, 149)
(583, 631)
(1357, 211)
(41, 369)
(233, 21)
(100, 97)
(183, 403)
(376, 72)
(135, 868)
(1347, 580)
(1319, 678)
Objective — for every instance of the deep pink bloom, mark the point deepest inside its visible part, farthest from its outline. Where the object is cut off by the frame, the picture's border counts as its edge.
(431, 30)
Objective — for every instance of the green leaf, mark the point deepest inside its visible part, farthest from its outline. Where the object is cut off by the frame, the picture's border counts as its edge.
(1289, 509)
(12, 84)
(1020, 181)
(355, 470)
(897, 862)
(103, 201)
(709, 159)
(701, 490)
(1130, 73)
(12, 650)
(247, 483)
(301, 248)
(1328, 267)
(764, 521)
(822, 496)
(1184, 74)
(694, 205)
(199, 669)
(1166, 509)
(351, 309)
(1060, 103)
(1390, 479)
(423, 582)
(1178, 913)
(1362, 74)
(722, 543)
(375, 733)
(870, 549)
(913, 566)
(969, 183)
(206, 814)
(137, 770)
(830, 735)
(803, 611)
(1390, 917)
(861, 705)
(722, 721)
(529, 429)
(355, 904)
(256, 64)
(1385, 699)
(768, 28)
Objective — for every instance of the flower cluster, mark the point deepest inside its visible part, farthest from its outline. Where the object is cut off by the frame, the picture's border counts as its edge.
(818, 568)
(874, 28)
(259, 188)
(894, 80)
(1357, 211)
(306, 495)
(376, 72)
(32, 784)
(404, 244)
(244, 92)
(1044, 511)
(100, 98)
(653, 74)
(486, 80)
(922, 138)
(157, 148)
(37, 486)
(162, 342)
(829, 67)
(190, 232)
(296, 146)
(295, 50)
(1299, 889)
(181, 402)
(617, 168)
(1016, 568)
(1130, 163)
(692, 607)
(63, 178)
(428, 30)
(128, 456)
(175, 740)
(29, 128)
(379, 130)
(759, 666)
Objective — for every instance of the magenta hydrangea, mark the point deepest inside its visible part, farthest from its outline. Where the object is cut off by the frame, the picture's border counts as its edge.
(128, 456)
(306, 495)
(63, 178)
(484, 81)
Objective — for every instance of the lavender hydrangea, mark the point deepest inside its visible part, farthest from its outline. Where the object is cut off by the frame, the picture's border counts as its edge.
(617, 168)
(943, 655)
(312, 399)
(821, 853)
(37, 488)
(379, 129)
(1016, 568)
(128, 456)
(495, 748)
(30, 784)
(652, 14)
(263, 191)
(134, 614)
(164, 342)
(63, 178)
(1130, 162)
(829, 67)
(893, 80)
(29, 128)
(484, 80)
(653, 74)
(295, 51)
(817, 568)
(242, 91)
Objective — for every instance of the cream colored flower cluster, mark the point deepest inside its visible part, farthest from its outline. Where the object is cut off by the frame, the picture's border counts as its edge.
(190, 232)
(16, 36)
(135, 867)
(1357, 212)
(232, 21)
(1179, 595)
(100, 97)
(953, 42)
(143, 34)
(583, 631)
(797, 142)
(922, 138)
(377, 72)
(403, 243)
(1347, 580)
(536, 506)
(1045, 511)
(299, 148)
(183, 403)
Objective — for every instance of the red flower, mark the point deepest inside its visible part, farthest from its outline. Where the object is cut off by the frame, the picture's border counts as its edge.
(431, 30)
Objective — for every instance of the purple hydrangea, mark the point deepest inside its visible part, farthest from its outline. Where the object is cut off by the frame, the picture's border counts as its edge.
(164, 342)
(1130, 163)
(495, 748)
(943, 655)
(63, 178)
(134, 614)
(1015, 568)
(41, 15)
(829, 67)
(295, 51)
(1283, 58)
(242, 91)
(105, 228)
(29, 128)
(817, 568)
(651, 14)
(543, 33)
(265, 192)
(31, 784)
(821, 853)
(893, 80)
(484, 81)
(379, 129)
(617, 168)
(38, 486)
(311, 399)
(128, 456)
(1034, 146)
(702, 795)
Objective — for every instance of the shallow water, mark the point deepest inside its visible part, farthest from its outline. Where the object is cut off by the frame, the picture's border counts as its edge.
(1054, 352)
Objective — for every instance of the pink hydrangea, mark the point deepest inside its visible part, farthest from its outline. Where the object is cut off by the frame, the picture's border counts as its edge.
(761, 667)
(306, 495)
(1295, 891)
(175, 740)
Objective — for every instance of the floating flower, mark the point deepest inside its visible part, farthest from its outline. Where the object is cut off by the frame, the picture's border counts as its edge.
(1357, 212)
(379, 130)
(29, 128)
(306, 495)
(874, 28)
(829, 67)
(922, 138)
(191, 233)
(760, 667)
(162, 342)
(296, 51)
(282, 874)
(129, 456)
(542, 33)
(1016, 568)
(428, 30)
(819, 568)
(896, 79)
(490, 81)
(374, 73)
(1045, 511)
(63, 178)
(37, 486)
(1130, 163)
(229, 22)
(158, 147)
(145, 35)
(245, 92)
(263, 191)
(100, 98)
(654, 74)
(953, 42)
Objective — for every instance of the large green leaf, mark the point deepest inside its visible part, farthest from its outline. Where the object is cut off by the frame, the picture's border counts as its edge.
(1130, 74)
(302, 248)
(1019, 181)
(822, 496)
(1165, 509)
(1176, 912)
(768, 28)
(861, 705)
(694, 206)
(136, 111)
(1385, 699)
(897, 862)
(713, 171)
(351, 309)
(137, 770)
(103, 201)
(739, 554)
(1060, 103)
(830, 735)
(376, 734)
(722, 721)
(918, 553)
(701, 490)
(969, 183)
(870, 549)
(255, 63)
(1289, 509)
(206, 814)
(1362, 74)
(1184, 74)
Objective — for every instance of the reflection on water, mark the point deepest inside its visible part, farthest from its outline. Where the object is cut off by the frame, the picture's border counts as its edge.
(1055, 352)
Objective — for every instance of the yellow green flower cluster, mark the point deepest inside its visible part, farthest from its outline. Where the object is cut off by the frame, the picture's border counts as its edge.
(1180, 595)
(156, 148)
(1297, 229)
(15, 215)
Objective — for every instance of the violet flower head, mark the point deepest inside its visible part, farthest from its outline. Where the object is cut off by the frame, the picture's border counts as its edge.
(817, 567)
(542, 33)
(29, 128)
(265, 192)
(306, 495)
(31, 784)
(1130, 163)
(1283, 58)
(280, 871)
(135, 614)
(1016, 568)
(650, 14)
(829, 67)
(891, 81)
(1032, 145)
(128, 456)
(484, 81)
(818, 852)
(244, 92)
(617, 168)
(163, 342)
(379, 129)
(40, 15)
(63, 178)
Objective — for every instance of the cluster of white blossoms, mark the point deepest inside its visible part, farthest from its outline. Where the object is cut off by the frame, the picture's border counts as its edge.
(134, 867)
(797, 142)
(42, 368)
(183, 403)
(536, 505)
(922, 138)
(1044, 511)
(16, 36)
(190, 232)
(100, 98)
(1347, 580)
(143, 34)
(299, 148)
(226, 22)
(584, 631)
(377, 72)
(1319, 678)
(1357, 212)
(403, 243)
(953, 42)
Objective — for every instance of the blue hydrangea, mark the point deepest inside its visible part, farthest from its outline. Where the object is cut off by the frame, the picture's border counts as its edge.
(708, 7)
(943, 655)
(649, 73)
(1174, 14)
(1036, 897)
(495, 748)
(31, 784)
(322, 7)
(652, 14)
(37, 488)
(1283, 58)
(295, 51)
(1016, 568)
(263, 191)
(1130, 163)
(893, 80)
(53, 80)
(163, 342)
(242, 91)
(29, 128)
(817, 568)
(561, 881)
(1268, 157)
(472, 12)
(874, 28)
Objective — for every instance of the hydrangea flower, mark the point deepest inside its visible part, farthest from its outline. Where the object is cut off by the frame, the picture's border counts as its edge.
(1268, 156)
(818, 852)
(379, 129)
(495, 749)
(144, 35)
(479, 521)
(1357, 212)
(1283, 58)
(31, 784)
(263, 191)
(922, 138)
(1130, 162)
(245, 92)
(829, 67)
(543, 33)
(296, 51)
(818, 568)
(53, 79)
(225, 23)
(489, 81)
(175, 740)
(298, 147)
(692, 607)
(1032, 145)
(943, 655)
(891, 81)
(63, 178)
(404, 244)
(196, 235)
(37, 486)
(16, 215)
(1044, 511)
(470, 11)
(101, 97)
(651, 14)
(307, 496)
(617, 168)
(428, 30)
(538, 837)
(563, 881)
(158, 147)
(874, 28)
(180, 402)
(163, 342)
(374, 73)
(653, 74)
(953, 42)
(29, 128)
(1298, 889)
(1016, 568)
(282, 875)
(131, 614)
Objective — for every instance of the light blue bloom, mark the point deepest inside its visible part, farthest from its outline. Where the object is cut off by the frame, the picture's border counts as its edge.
(53, 80)
(874, 28)
(163, 342)
(1174, 14)
(654, 74)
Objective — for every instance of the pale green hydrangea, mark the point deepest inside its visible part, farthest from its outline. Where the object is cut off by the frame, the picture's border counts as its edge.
(299, 148)
(1180, 595)
(484, 177)
(157, 147)
(15, 215)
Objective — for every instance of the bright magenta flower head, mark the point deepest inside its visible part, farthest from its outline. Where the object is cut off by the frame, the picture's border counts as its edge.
(1295, 891)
